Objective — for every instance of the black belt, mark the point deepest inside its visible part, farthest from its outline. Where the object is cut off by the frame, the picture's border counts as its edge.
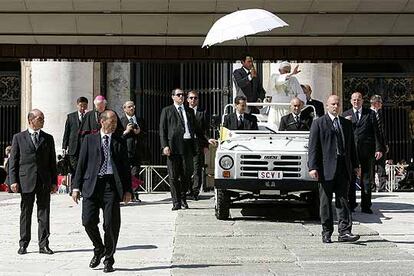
(105, 176)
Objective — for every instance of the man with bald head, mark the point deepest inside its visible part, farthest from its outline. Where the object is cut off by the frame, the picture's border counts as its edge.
(32, 172)
(369, 147)
(332, 160)
(295, 121)
(103, 178)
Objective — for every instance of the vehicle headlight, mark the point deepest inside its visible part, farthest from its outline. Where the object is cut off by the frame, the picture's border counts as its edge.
(226, 162)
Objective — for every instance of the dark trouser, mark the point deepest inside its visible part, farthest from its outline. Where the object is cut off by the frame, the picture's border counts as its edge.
(73, 162)
(198, 160)
(339, 186)
(42, 194)
(105, 197)
(367, 177)
(382, 175)
(180, 169)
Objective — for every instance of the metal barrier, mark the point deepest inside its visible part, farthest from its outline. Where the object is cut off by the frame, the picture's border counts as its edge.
(148, 172)
(393, 178)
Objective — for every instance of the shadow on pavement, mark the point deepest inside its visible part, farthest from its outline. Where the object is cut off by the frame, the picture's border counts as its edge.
(276, 211)
(379, 208)
(142, 203)
(125, 248)
(189, 266)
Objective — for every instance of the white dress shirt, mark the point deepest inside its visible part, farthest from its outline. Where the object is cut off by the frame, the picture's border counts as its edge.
(359, 111)
(248, 73)
(134, 119)
(187, 134)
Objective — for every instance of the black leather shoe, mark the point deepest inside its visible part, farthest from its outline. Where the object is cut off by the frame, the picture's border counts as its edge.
(45, 250)
(326, 239)
(22, 250)
(195, 196)
(349, 237)
(176, 207)
(367, 210)
(184, 203)
(108, 268)
(96, 259)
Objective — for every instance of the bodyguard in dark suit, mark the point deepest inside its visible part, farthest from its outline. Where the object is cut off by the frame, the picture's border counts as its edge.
(295, 121)
(376, 106)
(240, 120)
(177, 134)
(332, 160)
(248, 83)
(32, 172)
(369, 149)
(72, 137)
(200, 145)
(103, 177)
(307, 89)
(135, 137)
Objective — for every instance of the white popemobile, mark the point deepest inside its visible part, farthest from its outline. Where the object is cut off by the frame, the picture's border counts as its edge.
(263, 164)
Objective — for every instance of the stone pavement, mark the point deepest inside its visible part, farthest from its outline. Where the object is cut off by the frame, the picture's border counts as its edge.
(156, 241)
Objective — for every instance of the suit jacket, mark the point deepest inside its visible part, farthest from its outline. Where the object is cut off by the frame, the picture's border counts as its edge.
(172, 129)
(203, 123)
(28, 164)
(366, 132)
(381, 127)
(319, 109)
(231, 122)
(253, 89)
(92, 125)
(322, 151)
(90, 160)
(287, 122)
(136, 143)
(71, 136)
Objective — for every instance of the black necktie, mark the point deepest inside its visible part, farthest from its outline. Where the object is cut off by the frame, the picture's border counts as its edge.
(105, 148)
(241, 126)
(357, 116)
(35, 139)
(131, 121)
(180, 112)
(339, 138)
(81, 118)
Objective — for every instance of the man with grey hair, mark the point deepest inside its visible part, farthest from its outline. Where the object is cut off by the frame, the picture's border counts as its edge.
(282, 88)
(33, 173)
(92, 122)
(135, 135)
(376, 106)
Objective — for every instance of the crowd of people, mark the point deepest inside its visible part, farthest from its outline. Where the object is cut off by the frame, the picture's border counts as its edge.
(105, 152)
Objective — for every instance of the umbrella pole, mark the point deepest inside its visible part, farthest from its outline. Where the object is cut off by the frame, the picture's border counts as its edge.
(247, 44)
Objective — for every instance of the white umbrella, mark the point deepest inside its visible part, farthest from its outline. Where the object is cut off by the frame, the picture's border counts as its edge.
(241, 23)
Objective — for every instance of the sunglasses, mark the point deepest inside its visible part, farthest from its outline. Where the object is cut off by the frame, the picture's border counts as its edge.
(193, 98)
(179, 95)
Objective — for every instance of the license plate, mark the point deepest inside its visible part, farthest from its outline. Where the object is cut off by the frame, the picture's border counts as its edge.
(270, 174)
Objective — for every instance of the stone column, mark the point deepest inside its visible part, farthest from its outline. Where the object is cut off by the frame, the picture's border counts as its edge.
(118, 85)
(55, 87)
(26, 89)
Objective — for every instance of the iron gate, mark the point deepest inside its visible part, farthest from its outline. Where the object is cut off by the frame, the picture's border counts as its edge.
(9, 108)
(396, 90)
(154, 81)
